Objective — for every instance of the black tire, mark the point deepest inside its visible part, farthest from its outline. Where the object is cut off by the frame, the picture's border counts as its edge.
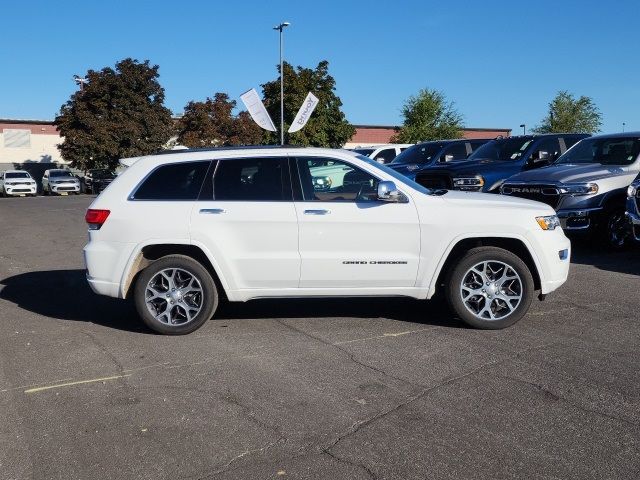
(460, 272)
(208, 297)
(614, 228)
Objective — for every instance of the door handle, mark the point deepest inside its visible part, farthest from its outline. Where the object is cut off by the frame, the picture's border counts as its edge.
(316, 212)
(213, 211)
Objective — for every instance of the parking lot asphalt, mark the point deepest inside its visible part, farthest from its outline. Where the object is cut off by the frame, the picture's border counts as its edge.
(317, 389)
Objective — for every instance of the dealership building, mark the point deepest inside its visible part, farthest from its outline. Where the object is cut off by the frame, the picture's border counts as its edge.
(32, 145)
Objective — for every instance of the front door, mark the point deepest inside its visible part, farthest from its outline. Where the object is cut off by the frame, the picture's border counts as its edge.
(246, 218)
(348, 238)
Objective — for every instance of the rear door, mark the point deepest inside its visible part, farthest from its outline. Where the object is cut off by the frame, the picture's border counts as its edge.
(348, 238)
(246, 218)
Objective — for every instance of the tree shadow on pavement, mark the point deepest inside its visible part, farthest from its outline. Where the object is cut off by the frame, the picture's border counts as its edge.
(65, 295)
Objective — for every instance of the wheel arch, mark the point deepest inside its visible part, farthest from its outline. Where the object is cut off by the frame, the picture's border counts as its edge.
(148, 253)
(459, 247)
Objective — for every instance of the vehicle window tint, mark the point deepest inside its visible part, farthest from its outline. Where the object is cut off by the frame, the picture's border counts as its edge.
(549, 145)
(457, 150)
(606, 151)
(251, 179)
(177, 181)
(329, 180)
(476, 145)
(386, 155)
(571, 141)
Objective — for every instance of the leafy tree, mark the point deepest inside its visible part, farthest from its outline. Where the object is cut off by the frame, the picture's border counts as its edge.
(570, 115)
(119, 113)
(429, 116)
(212, 123)
(327, 126)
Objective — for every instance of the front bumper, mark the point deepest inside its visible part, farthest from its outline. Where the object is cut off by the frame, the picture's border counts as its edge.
(553, 251)
(20, 189)
(579, 219)
(633, 214)
(65, 188)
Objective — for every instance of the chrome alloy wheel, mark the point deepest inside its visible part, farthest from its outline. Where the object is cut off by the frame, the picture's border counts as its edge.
(174, 296)
(491, 290)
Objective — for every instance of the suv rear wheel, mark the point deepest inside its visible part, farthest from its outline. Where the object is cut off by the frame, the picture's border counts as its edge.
(175, 295)
(490, 288)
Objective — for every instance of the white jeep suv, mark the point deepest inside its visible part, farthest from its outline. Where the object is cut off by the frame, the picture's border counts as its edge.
(178, 231)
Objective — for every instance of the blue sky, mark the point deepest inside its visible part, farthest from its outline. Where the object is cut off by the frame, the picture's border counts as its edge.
(500, 62)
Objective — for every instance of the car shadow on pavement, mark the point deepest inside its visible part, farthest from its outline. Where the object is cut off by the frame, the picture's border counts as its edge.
(65, 295)
(625, 261)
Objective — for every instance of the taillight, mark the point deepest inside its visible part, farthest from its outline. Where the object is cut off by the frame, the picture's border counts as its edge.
(96, 218)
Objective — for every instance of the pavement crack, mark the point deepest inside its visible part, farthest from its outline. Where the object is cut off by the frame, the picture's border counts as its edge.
(103, 349)
(555, 396)
(349, 354)
(361, 466)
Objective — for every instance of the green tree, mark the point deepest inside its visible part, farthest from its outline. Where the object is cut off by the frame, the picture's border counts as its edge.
(570, 115)
(212, 123)
(429, 116)
(119, 113)
(327, 126)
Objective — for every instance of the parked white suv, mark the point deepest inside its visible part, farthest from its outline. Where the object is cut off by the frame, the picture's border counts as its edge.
(178, 231)
(383, 153)
(59, 181)
(17, 183)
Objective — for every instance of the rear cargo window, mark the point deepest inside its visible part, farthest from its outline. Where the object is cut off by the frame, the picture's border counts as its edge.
(178, 181)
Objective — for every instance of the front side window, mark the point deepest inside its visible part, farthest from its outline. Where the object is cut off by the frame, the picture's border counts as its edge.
(606, 151)
(331, 180)
(176, 181)
(504, 149)
(421, 153)
(455, 151)
(251, 179)
(386, 155)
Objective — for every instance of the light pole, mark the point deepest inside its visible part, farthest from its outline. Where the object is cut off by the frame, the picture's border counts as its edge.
(524, 129)
(281, 27)
(623, 125)
(80, 81)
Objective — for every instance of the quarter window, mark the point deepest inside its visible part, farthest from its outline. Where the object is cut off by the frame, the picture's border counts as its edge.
(251, 179)
(177, 181)
(329, 180)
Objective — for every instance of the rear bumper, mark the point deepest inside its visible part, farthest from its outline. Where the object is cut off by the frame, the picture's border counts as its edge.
(105, 263)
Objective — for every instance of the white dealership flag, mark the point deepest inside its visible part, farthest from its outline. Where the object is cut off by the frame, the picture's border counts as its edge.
(307, 108)
(256, 109)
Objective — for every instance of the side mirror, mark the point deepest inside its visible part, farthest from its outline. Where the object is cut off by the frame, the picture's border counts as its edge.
(448, 157)
(387, 192)
(380, 160)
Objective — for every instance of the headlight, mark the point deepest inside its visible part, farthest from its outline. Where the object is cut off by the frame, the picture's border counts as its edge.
(632, 191)
(468, 183)
(579, 188)
(549, 222)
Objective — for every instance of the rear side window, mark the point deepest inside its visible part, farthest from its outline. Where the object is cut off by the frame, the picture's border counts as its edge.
(252, 179)
(178, 181)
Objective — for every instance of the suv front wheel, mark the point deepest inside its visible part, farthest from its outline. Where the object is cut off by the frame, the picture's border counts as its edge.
(175, 295)
(490, 288)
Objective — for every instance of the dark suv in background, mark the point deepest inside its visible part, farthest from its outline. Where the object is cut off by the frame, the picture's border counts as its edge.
(420, 156)
(96, 180)
(495, 161)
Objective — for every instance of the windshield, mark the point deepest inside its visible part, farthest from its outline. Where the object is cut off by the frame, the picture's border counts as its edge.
(401, 178)
(101, 174)
(17, 175)
(59, 173)
(505, 149)
(422, 153)
(364, 151)
(606, 151)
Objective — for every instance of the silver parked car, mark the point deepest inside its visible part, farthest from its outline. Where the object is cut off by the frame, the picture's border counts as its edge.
(59, 181)
(587, 185)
